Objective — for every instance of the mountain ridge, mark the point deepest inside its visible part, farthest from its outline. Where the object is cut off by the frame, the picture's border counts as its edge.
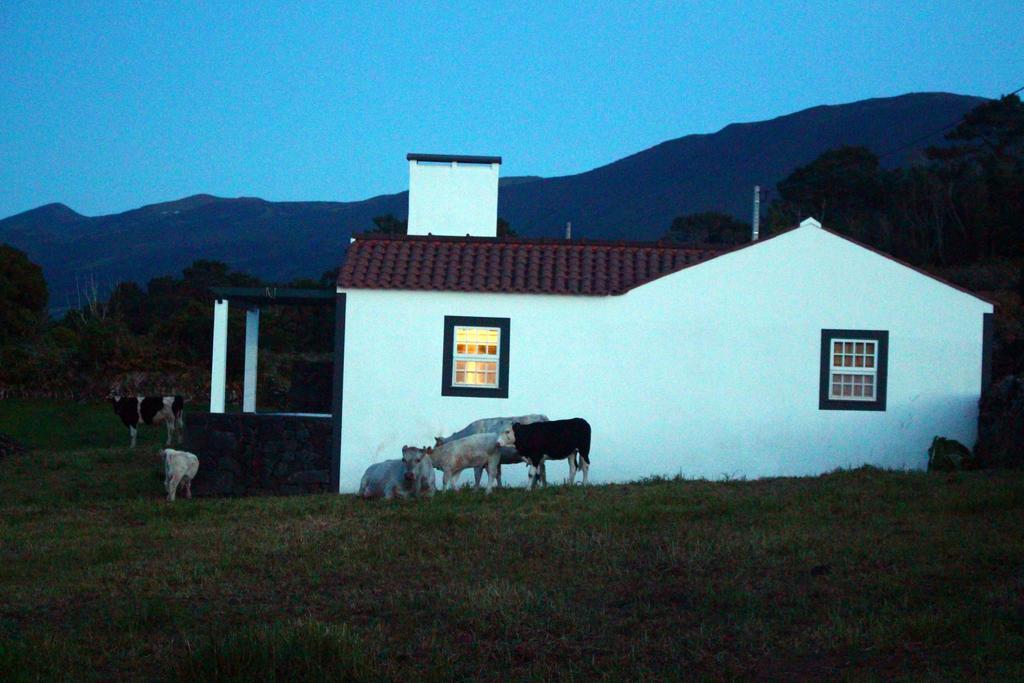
(634, 197)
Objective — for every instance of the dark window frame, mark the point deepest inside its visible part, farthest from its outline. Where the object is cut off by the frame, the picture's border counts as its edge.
(881, 338)
(447, 387)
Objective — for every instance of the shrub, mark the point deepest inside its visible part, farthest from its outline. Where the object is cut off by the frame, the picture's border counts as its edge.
(948, 455)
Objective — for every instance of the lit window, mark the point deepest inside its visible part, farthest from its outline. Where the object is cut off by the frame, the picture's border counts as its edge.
(476, 356)
(853, 369)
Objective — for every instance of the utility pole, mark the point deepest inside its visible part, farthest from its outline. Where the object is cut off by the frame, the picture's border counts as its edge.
(757, 213)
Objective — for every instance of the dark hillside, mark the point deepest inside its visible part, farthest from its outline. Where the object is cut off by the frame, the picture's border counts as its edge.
(637, 197)
(632, 198)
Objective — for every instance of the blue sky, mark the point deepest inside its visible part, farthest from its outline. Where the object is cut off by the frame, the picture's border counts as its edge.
(108, 106)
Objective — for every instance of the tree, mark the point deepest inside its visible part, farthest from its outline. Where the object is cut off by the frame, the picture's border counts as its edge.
(23, 295)
(846, 190)
(128, 303)
(983, 178)
(389, 225)
(708, 228)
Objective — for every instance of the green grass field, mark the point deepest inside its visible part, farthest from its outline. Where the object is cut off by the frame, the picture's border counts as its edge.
(855, 575)
(61, 426)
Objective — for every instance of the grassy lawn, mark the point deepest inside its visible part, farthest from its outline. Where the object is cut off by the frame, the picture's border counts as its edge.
(854, 575)
(60, 425)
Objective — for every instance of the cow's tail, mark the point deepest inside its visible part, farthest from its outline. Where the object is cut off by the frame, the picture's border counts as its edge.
(585, 443)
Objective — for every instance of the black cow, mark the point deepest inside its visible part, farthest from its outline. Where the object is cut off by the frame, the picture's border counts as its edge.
(150, 410)
(555, 440)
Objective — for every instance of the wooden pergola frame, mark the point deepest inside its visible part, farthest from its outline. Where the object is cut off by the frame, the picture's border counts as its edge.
(253, 298)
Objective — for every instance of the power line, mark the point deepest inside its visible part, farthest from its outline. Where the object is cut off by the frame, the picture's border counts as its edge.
(911, 143)
(924, 137)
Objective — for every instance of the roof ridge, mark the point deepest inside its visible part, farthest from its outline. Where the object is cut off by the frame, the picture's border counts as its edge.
(541, 241)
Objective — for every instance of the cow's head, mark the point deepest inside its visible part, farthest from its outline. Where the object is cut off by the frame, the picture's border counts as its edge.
(413, 456)
(115, 396)
(508, 437)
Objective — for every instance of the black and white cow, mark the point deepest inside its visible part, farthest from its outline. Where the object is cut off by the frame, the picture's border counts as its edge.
(554, 440)
(150, 410)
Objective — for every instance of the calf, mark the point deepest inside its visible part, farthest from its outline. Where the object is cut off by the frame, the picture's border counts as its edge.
(478, 450)
(180, 468)
(555, 440)
(492, 425)
(150, 410)
(410, 476)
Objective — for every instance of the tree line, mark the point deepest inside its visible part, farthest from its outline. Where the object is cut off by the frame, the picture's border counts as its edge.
(957, 212)
(158, 334)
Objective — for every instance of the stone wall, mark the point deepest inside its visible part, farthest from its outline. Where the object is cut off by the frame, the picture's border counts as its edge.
(243, 454)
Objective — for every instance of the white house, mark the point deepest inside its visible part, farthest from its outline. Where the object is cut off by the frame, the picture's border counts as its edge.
(794, 355)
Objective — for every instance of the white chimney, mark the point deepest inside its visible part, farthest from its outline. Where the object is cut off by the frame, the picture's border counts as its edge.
(453, 195)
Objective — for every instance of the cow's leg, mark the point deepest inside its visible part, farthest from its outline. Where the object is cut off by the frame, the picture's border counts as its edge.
(181, 428)
(188, 487)
(170, 431)
(478, 472)
(572, 468)
(172, 487)
(132, 432)
(543, 471)
(446, 480)
(585, 467)
(493, 463)
(534, 473)
(498, 481)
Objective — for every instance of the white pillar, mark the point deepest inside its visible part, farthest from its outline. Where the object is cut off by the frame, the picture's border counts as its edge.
(252, 349)
(219, 364)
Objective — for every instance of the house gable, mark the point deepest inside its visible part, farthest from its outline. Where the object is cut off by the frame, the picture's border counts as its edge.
(819, 258)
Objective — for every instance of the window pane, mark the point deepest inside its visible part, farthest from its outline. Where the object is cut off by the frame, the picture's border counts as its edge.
(859, 348)
(849, 347)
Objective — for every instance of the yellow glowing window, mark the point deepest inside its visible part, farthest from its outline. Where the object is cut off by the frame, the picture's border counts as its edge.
(476, 356)
(853, 373)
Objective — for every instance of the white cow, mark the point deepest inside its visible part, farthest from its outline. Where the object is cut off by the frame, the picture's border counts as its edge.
(413, 475)
(493, 425)
(478, 450)
(180, 467)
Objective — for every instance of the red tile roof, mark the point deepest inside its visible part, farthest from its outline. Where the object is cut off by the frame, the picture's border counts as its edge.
(510, 265)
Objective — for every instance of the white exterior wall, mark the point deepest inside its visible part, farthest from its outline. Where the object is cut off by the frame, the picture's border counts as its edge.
(454, 199)
(711, 371)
